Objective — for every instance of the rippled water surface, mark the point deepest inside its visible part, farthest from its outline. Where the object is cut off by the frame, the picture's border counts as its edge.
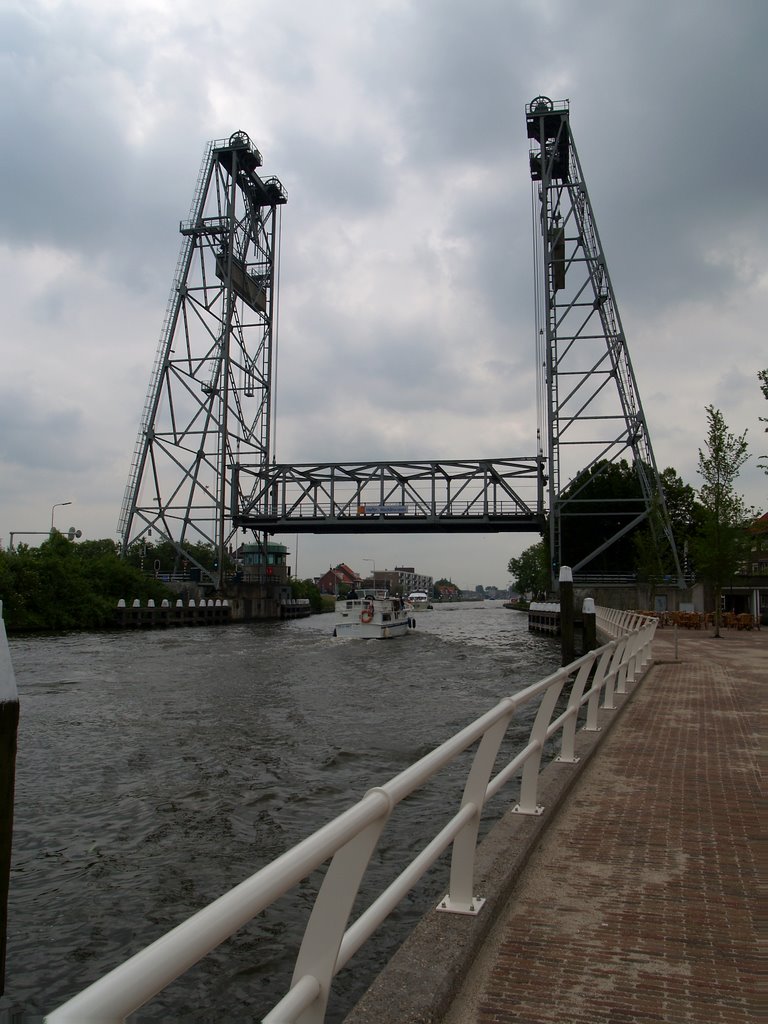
(156, 770)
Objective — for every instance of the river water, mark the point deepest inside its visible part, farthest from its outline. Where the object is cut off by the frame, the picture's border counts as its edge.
(156, 770)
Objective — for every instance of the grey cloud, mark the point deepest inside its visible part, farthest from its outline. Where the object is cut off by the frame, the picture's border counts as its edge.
(33, 436)
(399, 132)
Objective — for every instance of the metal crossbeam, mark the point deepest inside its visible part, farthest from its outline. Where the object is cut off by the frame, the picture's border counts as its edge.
(384, 497)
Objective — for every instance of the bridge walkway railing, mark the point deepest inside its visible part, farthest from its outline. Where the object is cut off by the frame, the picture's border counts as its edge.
(348, 842)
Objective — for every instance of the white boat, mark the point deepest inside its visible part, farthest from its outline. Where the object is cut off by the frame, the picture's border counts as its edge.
(418, 601)
(372, 615)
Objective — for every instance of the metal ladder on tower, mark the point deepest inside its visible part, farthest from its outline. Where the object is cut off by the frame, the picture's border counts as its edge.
(166, 333)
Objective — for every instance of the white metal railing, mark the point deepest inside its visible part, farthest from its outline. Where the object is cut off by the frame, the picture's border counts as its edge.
(349, 841)
(9, 725)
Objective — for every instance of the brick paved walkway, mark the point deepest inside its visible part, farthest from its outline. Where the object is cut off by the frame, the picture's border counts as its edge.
(640, 903)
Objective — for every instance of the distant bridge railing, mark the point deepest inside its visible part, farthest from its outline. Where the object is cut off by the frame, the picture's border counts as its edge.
(349, 841)
(629, 579)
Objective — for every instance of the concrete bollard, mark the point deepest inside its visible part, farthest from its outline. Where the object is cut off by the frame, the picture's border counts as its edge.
(566, 615)
(589, 625)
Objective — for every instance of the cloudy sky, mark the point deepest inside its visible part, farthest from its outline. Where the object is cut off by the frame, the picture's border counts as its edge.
(398, 130)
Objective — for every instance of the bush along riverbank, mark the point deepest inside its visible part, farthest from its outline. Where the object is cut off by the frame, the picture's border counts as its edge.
(64, 586)
(61, 585)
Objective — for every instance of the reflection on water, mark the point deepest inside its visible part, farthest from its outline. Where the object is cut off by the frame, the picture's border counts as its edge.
(156, 770)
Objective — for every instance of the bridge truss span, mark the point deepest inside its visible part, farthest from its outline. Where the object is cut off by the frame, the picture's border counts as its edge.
(387, 497)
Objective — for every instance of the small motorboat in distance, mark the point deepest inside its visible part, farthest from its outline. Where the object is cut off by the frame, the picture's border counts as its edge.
(372, 615)
(418, 601)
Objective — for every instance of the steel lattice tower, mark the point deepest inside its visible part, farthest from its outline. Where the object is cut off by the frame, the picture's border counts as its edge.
(589, 400)
(209, 402)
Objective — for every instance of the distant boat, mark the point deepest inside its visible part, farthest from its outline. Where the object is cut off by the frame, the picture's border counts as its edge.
(372, 615)
(418, 601)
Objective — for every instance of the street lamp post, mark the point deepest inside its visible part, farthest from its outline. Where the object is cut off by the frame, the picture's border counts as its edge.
(59, 504)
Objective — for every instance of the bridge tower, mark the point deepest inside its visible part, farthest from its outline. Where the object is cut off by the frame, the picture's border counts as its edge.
(589, 404)
(209, 403)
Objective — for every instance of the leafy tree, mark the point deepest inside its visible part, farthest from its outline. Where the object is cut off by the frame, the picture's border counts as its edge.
(145, 553)
(61, 585)
(445, 590)
(531, 570)
(596, 505)
(308, 588)
(652, 558)
(722, 543)
(684, 510)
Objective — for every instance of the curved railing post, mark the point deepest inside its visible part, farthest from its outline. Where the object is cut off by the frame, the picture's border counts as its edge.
(633, 645)
(461, 898)
(627, 666)
(325, 930)
(597, 687)
(530, 780)
(613, 674)
(567, 753)
(649, 632)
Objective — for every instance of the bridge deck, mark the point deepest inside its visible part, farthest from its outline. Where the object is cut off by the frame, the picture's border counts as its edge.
(401, 523)
(638, 901)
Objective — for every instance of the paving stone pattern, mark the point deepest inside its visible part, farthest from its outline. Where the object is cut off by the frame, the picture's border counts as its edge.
(640, 903)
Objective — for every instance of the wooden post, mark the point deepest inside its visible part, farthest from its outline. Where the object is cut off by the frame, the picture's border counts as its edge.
(9, 724)
(566, 615)
(589, 625)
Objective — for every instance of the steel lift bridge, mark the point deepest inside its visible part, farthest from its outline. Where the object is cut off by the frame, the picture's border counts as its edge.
(589, 403)
(204, 467)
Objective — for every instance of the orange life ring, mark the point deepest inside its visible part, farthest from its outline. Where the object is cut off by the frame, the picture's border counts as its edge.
(366, 615)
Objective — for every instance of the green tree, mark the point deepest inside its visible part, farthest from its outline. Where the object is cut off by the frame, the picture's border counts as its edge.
(308, 589)
(445, 590)
(599, 502)
(531, 570)
(652, 558)
(596, 505)
(722, 543)
(62, 585)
